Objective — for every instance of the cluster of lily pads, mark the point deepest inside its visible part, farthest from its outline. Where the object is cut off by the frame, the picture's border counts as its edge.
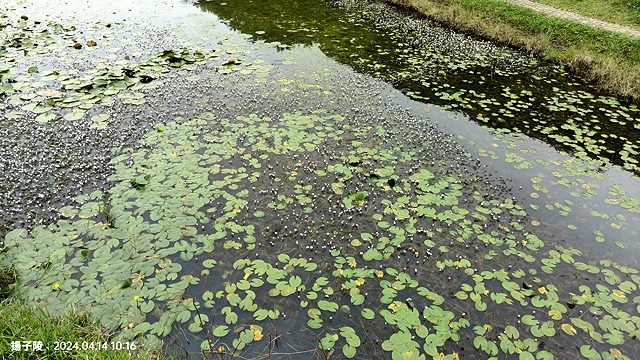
(574, 116)
(198, 231)
(44, 78)
(96, 86)
(250, 235)
(497, 87)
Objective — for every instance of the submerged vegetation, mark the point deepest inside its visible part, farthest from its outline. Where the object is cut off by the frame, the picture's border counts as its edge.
(495, 86)
(267, 201)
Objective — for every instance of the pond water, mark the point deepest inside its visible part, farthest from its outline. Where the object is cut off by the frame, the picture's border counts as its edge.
(302, 179)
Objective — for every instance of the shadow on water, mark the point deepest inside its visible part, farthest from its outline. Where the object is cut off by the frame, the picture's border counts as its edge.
(495, 86)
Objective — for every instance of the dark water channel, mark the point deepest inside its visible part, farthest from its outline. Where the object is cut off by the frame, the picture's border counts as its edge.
(492, 85)
(301, 179)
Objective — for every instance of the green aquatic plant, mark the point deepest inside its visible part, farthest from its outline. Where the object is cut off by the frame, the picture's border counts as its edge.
(140, 185)
(355, 198)
(238, 232)
(105, 211)
(199, 219)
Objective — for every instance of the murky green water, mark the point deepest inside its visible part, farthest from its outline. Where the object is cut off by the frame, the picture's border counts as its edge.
(492, 85)
(292, 179)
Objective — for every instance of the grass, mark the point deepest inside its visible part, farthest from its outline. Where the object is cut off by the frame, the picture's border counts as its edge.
(623, 12)
(19, 322)
(608, 59)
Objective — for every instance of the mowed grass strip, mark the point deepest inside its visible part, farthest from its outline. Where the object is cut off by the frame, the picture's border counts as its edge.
(610, 60)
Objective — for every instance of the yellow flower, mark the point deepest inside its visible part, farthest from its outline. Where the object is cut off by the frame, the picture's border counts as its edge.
(56, 286)
(135, 298)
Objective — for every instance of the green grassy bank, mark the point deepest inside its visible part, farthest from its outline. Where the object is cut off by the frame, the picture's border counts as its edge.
(22, 325)
(608, 59)
(59, 336)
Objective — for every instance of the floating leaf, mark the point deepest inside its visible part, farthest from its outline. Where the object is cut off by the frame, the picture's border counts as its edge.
(328, 305)
(45, 117)
(261, 314)
(221, 331)
(183, 316)
(147, 306)
(314, 323)
(367, 313)
(569, 329)
(349, 351)
(74, 115)
(209, 263)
